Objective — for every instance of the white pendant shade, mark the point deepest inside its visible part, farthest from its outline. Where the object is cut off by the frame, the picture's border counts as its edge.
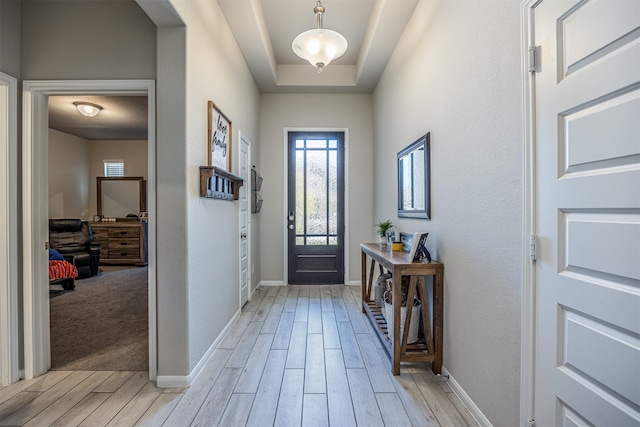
(319, 46)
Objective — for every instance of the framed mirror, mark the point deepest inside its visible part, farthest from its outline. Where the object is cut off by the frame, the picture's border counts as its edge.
(121, 197)
(414, 195)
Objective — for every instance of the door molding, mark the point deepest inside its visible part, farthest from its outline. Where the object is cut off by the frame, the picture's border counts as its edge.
(8, 229)
(528, 300)
(37, 354)
(248, 185)
(285, 141)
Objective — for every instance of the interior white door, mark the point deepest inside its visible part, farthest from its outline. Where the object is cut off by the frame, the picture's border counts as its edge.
(588, 213)
(244, 220)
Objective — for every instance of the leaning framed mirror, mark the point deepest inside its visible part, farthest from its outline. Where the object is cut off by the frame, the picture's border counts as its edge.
(120, 197)
(414, 194)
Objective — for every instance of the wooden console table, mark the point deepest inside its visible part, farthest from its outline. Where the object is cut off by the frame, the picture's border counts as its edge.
(429, 347)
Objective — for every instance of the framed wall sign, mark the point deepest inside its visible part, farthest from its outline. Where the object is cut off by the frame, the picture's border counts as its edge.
(219, 134)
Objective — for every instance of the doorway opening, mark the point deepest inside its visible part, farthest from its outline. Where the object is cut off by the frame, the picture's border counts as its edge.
(35, 214)
(99, 320)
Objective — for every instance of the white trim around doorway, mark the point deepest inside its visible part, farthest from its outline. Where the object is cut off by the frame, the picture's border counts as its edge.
(8, 230)
(37, 355)
(528, 317)
(286, 200)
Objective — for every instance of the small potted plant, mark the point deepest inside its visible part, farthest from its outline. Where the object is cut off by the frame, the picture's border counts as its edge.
(382, 228)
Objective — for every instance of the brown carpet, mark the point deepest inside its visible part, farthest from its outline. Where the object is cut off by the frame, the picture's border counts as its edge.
(103, 324)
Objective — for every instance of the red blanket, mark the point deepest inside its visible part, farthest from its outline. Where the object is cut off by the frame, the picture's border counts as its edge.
(62, 270)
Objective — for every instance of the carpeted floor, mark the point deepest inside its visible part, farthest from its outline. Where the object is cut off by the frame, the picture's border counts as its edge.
(103, 324)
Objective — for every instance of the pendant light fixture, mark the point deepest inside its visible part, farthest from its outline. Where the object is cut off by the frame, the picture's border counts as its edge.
(319, 46)
(88, 109)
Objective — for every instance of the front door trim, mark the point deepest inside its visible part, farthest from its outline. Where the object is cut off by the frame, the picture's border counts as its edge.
(37, 355)
(285, 205)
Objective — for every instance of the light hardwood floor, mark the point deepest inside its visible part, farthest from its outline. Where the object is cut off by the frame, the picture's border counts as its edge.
(297, 356)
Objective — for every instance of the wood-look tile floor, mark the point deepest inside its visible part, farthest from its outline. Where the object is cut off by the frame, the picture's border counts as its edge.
(297, 356)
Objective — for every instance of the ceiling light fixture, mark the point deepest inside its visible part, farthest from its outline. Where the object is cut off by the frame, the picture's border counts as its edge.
(319, 46)
(88, 109)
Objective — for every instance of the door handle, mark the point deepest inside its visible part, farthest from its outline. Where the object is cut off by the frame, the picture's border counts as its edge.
(291, 227)
(243, 235)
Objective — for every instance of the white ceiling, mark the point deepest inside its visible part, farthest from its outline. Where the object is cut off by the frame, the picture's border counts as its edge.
(264, 31)
(122, 117)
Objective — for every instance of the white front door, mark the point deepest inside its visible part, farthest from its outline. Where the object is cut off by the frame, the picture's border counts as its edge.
(587, 359)
(244, 220)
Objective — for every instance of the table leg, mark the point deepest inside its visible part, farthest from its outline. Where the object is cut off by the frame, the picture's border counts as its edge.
(438, 318)
(426, 316)
(363, 280)
(411, 291)
(395, 343)
(370, 283)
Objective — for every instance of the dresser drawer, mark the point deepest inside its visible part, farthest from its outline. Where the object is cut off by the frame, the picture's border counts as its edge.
(100, 234)
(124, 253)
(124, 233)
(117, 244)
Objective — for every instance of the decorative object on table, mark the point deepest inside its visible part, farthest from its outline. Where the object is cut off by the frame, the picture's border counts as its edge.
(419, 248)
(414, 200)
(396, 246)
(391, 235)
(382, 228)
(406, 239)
(219, 138)
(381, 288)
(415, 316)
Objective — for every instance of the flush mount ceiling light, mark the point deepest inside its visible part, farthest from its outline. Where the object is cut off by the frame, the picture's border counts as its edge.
(319, 46)
(88, 109)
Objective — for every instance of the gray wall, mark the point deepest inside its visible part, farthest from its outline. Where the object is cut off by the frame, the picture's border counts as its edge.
(456, 73)
(69, 177)
(215, 70)
(10, 37)
(119, 44)
(353, 112)
(74, 164)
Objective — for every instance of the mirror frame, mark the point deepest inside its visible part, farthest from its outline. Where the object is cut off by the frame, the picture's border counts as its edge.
(141, 191)
(423, 141)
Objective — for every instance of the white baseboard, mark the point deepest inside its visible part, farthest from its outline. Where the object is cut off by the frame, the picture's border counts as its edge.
(354, 283)
(271, 283)
(464, 397)
(168, 381)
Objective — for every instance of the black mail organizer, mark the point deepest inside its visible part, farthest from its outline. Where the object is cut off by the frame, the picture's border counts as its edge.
(216, 183)
(256, 185)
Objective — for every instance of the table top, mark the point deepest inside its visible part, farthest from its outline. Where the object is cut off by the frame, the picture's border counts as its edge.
(394, 259)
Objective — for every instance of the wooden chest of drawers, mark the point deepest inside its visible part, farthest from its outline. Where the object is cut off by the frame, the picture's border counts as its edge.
(121, 242)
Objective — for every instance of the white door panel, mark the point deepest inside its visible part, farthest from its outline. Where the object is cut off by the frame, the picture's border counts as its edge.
(244, 221)
(588, 212)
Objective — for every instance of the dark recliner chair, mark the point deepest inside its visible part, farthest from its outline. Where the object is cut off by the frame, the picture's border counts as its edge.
(73, 238)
